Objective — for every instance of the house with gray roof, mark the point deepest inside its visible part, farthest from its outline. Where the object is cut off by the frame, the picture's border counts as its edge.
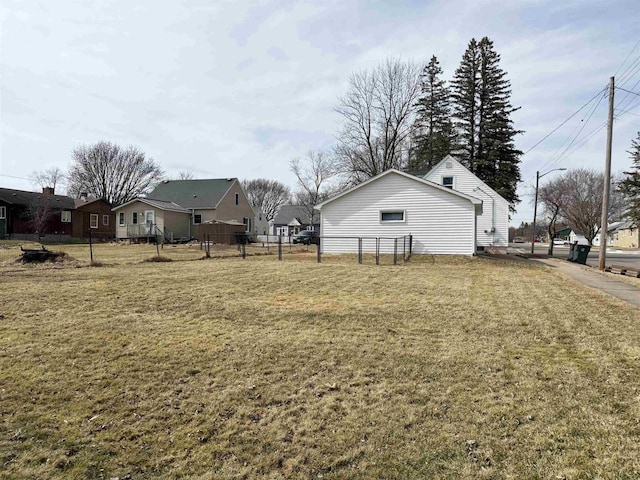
(292, 219)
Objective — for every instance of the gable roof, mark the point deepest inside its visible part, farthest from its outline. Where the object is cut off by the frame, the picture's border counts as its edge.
(391, 171)
(450, 158)
(21, 197)
(161, 204)
(201, 193)
(289, 212)
(83, 201)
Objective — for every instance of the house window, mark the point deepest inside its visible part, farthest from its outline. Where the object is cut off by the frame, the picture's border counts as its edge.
(247, 222)
(105, 220)
(237, 199)
(3, 212)
(197, 219)
(447, 182)
(65, 216)
(93, 220)
(121, 219)
(392, 216)
(134, 218)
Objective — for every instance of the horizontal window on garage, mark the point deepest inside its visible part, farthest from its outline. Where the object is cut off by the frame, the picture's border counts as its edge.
(392, 216)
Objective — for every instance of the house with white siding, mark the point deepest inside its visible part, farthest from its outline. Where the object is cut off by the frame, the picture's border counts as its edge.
(441, 220)
(492, 227)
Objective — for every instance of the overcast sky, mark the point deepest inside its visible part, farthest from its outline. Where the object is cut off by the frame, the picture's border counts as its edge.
(239, 88)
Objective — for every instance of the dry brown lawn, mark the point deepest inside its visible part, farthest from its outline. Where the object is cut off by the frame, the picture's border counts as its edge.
(231, 368)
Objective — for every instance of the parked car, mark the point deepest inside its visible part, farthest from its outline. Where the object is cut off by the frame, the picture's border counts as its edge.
(560, 241)
(307, 237)
(244, 238)
(518, 240)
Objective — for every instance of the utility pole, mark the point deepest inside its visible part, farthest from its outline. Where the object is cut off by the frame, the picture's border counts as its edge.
(607, 183)
(535, 214)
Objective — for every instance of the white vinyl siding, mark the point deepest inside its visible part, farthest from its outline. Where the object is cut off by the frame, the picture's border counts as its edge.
(440, 222)
(495, 209)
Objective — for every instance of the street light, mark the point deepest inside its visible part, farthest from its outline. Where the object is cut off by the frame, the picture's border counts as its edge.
(535, 205)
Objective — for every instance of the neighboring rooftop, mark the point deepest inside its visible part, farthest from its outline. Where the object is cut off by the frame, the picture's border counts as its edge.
(202, 193)
(21, 197)
(289, 212)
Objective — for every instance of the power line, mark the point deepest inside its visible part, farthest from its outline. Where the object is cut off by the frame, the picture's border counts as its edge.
(628, 91)
(11, 176)
(565, 121)
(627, 57)
(555, 159)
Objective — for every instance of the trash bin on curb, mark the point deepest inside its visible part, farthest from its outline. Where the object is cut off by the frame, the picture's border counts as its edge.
(581, 252)
(572, 248)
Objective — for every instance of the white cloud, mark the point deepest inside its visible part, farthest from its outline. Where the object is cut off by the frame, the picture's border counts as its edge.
(240, 88)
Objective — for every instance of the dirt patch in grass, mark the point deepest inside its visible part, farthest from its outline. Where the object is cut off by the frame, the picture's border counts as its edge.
(459, 368)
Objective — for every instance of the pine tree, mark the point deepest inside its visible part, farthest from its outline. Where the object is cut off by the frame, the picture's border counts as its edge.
(482, 110)
(433, 131)
(630, 186)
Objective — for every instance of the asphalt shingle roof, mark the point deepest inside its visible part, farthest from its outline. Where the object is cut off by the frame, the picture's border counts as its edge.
(289, 212)
(192, 193)
(21, 197)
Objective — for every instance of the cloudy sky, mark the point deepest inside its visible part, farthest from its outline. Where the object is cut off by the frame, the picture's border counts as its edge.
(239, 88)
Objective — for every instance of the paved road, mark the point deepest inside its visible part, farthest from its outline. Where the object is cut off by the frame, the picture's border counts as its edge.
(614, 256)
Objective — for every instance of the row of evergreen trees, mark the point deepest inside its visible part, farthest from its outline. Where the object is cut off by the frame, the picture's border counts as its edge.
(470, 118)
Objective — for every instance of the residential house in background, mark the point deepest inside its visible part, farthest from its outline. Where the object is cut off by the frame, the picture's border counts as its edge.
(492, 227)
(395, 204)
(23, 215)
(625, 235)
(157, 220)
(175, 207)
(292, 219)
(92, 215)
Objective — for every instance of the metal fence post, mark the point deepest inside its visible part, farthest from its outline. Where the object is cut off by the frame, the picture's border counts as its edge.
(377, 250)
(244, 250)
(280, 247)
(90, 246)
(319, 254)
(207, 251)
(360, 250)
(410, 245)
(395, 251)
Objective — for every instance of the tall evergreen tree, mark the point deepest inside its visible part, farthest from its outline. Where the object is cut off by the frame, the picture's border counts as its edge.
(433, 130)
(630, 186)
(482, 117)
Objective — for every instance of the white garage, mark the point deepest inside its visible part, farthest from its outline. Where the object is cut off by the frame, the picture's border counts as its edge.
(394, 204)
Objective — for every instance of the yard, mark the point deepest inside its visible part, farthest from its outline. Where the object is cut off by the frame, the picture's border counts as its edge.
(232, 368)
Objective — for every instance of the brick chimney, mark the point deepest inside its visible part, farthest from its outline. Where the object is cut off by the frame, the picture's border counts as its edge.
(48, 190)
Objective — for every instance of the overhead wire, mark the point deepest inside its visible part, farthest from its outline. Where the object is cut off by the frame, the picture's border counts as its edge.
(627, 57)
(565, 121)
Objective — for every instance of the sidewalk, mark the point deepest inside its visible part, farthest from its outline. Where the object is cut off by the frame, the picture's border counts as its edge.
(590, 277)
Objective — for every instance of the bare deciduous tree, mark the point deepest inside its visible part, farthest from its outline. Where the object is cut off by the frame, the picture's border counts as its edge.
(378, 112)
(106, 170)
(50, 177)
(185, 175)
(40, 211)
(267, 195)
(580, 192)
(552, 198)
(315, 174)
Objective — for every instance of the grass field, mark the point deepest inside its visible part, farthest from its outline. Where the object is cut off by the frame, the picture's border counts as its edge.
(231, 368)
